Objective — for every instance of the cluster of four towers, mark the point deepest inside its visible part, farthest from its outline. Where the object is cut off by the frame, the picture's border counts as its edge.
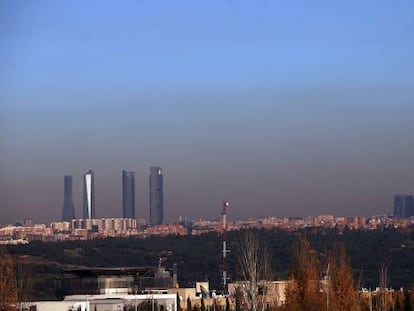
(156, 196)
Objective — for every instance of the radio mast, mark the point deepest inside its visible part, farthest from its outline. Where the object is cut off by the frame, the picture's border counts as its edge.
(225, 251)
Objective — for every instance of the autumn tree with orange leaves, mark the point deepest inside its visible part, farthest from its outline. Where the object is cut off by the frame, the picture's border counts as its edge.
(304, 290)
(309, 291)
(339, 282)
(8, 292)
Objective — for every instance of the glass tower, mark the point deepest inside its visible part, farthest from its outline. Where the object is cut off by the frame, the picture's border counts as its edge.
(89, 195)
(156, 196)
(128, 194)
(68, 211)
(403, 206)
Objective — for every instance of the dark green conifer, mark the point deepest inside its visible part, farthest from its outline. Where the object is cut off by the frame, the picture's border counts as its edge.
(408, 305)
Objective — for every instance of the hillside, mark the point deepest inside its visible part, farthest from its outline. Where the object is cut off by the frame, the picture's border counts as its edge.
(198, 257)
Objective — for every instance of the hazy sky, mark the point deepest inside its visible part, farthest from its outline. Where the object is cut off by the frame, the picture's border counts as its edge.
(285, 108)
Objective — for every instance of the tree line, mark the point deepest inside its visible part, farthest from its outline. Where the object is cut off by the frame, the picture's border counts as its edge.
(317, 281)
(198, 257)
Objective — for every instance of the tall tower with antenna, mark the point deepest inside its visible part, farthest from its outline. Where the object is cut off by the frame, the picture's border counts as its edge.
(225, 251)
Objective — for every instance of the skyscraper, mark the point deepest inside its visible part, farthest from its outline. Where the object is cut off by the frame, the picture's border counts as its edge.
(128, 194)
(156, 196)
(403, 206)
(68, 211)
(88, 195)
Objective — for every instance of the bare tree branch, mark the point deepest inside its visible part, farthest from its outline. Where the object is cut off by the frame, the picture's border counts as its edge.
(255, 267)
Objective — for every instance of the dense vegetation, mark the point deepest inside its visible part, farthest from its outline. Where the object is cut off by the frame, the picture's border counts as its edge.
(198, 257)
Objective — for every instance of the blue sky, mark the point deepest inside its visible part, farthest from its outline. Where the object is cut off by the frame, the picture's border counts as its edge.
(284, 108)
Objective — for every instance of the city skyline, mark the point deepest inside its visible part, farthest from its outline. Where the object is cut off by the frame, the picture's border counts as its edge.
(283, 108)
(402, 208)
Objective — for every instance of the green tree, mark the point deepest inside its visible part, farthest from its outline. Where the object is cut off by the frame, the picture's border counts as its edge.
(408, 305)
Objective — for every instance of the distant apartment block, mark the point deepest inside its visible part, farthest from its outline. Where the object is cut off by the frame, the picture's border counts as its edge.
(86, 229)
(403, 206)
(89, 195)
(102, 224)
(128, 194)
(68, 211)
(156, 196)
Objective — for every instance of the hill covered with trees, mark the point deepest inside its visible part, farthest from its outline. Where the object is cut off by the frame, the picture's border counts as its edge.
(198, 257)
